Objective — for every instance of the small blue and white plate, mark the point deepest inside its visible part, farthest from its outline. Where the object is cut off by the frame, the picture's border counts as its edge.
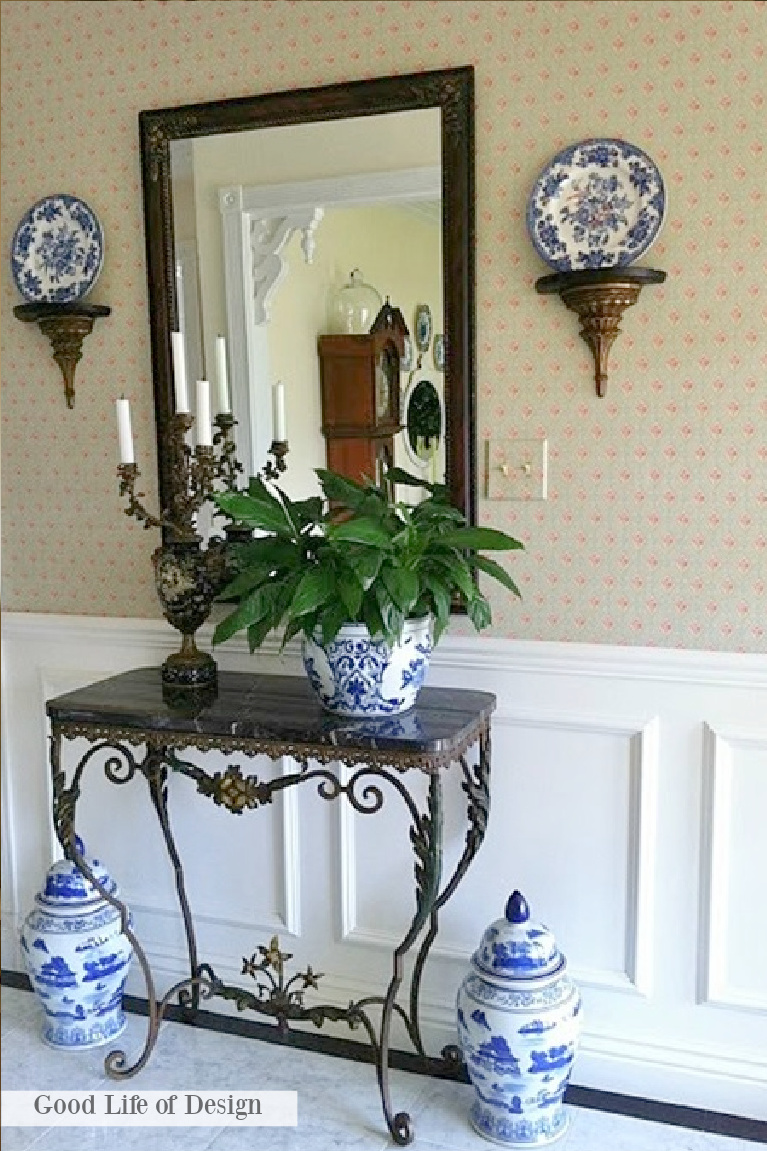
(597, 204)
(57, 251)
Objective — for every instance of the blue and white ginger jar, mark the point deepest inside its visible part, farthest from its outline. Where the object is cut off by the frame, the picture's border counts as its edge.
(360, 677)
(77, 957)
(518, 1025)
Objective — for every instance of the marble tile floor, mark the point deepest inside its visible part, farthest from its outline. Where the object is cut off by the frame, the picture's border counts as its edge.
(338, 1103)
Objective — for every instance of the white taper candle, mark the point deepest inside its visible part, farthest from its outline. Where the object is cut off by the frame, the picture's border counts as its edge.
(279, 432)
(125, 432)
(224, 405)
(179, 372)
(202, 421)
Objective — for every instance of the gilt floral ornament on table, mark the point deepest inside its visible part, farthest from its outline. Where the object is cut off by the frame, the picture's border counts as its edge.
(367, 579)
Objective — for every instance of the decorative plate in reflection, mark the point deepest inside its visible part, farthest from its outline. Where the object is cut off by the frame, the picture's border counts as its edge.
(424, 421)
(423, 327)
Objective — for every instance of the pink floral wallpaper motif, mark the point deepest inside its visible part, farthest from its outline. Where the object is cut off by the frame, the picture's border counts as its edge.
(655, 530)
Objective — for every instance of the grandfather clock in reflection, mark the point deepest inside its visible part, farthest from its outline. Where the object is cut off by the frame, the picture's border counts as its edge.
(360, 382)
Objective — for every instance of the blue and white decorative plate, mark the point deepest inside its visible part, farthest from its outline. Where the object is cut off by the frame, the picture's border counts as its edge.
(57, 251)
(597, 204)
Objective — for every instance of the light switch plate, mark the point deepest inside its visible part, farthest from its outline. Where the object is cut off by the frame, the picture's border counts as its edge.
(516, 469)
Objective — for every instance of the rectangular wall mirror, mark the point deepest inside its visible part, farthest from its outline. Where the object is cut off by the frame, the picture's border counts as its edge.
(257, 211)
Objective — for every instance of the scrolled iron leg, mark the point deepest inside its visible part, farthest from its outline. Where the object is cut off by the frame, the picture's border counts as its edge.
(426, 837)
(476, 786)
(156, 772)
(64, 809)
(116, 1063)
(120, 769)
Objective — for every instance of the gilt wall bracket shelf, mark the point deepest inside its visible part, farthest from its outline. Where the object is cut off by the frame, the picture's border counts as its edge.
(66, 326)
(600, 297)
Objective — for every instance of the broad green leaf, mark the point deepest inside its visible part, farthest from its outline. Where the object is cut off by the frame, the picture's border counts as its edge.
(391, 617)
(306, 512)
(364, 562)
(402, 585)
(250, 611)
(478, 610)
(496, 571)
(258, 489)
(454, 571)
(340, 489)
(285, 590)
(255, 513)
(437, 514)
(245, 582)
(442, 601)
(271, 552)
(315, 588)
(371, 615)
(293, 627)
(407, 479)
(332, 618)
(257, 632)
(481, 539)
(361, 531)
(350, 590)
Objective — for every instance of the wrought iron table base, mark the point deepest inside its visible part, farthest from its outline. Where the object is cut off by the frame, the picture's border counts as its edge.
(275, 996)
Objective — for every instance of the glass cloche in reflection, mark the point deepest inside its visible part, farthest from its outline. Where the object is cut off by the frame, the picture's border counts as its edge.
(353, 307)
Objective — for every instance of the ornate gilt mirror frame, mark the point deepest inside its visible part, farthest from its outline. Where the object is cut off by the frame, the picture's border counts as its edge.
(450, 90)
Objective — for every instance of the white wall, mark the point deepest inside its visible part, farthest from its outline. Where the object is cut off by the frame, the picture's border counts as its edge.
(628, 797)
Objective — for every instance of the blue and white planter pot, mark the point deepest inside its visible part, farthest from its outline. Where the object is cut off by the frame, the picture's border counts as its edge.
(77, 957)
(357, 676)
(518, 1025)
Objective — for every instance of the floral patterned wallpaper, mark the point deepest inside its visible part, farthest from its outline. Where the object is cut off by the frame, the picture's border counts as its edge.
(655, 529)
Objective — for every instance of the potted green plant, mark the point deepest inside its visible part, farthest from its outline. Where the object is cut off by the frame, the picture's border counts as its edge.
(368, 580)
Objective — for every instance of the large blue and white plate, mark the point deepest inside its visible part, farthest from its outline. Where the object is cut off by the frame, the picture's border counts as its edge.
(597, 204)
(57, 250)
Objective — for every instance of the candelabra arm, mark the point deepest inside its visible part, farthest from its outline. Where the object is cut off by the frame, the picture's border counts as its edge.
(202, 476)
(128, 474)
(273, 471)
(228, 467)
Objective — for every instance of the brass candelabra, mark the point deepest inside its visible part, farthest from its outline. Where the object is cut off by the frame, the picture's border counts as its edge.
(188, 574)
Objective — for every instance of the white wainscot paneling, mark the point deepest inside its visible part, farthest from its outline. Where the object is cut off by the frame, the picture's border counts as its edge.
(733, 923)
(602, 773)
(628, 795)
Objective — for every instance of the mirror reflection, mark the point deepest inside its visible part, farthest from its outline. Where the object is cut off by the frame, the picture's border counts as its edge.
(259, 211)
(270, 226)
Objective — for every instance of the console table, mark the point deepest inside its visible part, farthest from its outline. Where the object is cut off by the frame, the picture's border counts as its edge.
(133, 723)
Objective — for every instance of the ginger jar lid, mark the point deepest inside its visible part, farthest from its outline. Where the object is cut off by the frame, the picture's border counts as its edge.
(65, 887)
(516, 947)
(353, 307)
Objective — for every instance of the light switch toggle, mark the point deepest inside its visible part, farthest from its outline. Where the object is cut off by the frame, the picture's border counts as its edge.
(516, 469)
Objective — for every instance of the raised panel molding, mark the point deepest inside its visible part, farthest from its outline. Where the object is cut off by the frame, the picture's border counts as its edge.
(642, 765)
(714, 986)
